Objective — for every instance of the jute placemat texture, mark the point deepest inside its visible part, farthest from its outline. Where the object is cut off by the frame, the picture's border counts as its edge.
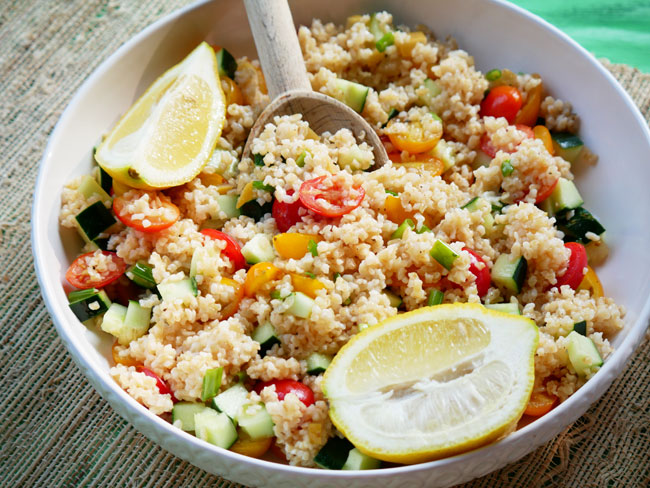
(55, 430)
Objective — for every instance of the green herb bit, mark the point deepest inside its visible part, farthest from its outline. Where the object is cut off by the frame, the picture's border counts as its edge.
(258, 160)
(336, 277)
(436, 116)
(211, 383)
(312, 247)
(493, 75)
(435, 297)
(300, 161)
(402, 228)
(276, 295)
(310, 274)
(347, 301)
(391, 192)
(259, 185)
(423, 229)
(507, 168)
(386, 40)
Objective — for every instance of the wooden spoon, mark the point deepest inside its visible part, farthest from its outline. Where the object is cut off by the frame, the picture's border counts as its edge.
(289, 88)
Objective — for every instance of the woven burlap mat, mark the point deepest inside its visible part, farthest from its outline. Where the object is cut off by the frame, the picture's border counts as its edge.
(55, 430)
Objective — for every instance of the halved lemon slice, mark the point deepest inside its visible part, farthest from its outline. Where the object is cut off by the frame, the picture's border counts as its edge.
(433, 382)
(168, 135)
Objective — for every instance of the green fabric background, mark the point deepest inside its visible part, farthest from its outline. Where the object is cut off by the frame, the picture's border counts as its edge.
(618, 30)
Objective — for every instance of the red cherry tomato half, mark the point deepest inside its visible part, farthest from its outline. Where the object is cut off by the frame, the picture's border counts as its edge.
(232, 250)
(327, 196)
(545, 192)
(482, 275)
(154, 223)
(284, 387)
(162, 386)
(577, 266)
(502, 101)
(530, 134)
(286, 215)
(79, 276)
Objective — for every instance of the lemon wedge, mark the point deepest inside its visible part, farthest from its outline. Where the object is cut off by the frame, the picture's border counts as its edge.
(433, 382)
(169, 134)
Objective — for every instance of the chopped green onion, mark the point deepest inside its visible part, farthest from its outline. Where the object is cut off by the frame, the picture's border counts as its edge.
(402, 228)
(313, 247)
(391, 192)
(259, 185)
(242, 377)
(423, 229)
(444, 254)
(300, 161)
(435, 297)
(276, 295)
(436, 116)
(493, 75)
(468, 204)
(310, 274)
(336, 276)
(211, 383)
(258, 160)
(507, 168)
(347, 301)
(386, 40)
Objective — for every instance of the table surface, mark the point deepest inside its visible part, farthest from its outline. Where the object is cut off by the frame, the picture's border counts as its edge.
(56, 430)
(618, 30)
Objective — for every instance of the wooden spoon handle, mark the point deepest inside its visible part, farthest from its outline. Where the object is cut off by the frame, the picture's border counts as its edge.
(277, 46)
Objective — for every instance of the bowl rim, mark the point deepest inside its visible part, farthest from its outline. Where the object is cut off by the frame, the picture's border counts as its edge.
(103, 383)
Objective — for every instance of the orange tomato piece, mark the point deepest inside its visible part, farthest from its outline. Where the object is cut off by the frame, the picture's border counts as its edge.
(117, 359)
(540, 403)
(424, 161)
(230, 309)
(542, 133)
(259, 275)
(305, 284)
(592, 283)
(530, 111)
(252, 448)
(415, 140)
(212, 179)
(395, 211)
(293, 245)
(231, 91)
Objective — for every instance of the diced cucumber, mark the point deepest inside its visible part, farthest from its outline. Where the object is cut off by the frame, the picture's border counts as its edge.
(509, 272)
(256, 422)
(567, 146)
(581, 327)
(352, 94)
(432, 90)
(300, 305)
(577, 223)
(231, 400)
(202, 257)
(215, 428)
(435, 297)
(126, 323)
(211, 383)
(391, 115)
(399, 232)
(228, 205)
(93, 220)
(357, 460)
(394, 299)
(511, 308)
(184, 412)
(481, 160)
(226, 63)
(89, 188)
(444, 254)
(565, 196)
(256, 211)
(334, 453)
(86, 304)
(258, 250)
(354, 159)
(445, 153)
(472, 205)
(266, 335)
(105, 180)
(174, 290)
(142, 275)
(375, 28)
(317, 363)
(583, 354)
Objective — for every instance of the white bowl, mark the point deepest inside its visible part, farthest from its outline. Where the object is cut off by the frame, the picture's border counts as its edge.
(497, 34)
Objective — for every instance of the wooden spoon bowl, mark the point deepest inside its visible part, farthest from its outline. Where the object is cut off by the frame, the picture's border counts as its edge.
(289, 87)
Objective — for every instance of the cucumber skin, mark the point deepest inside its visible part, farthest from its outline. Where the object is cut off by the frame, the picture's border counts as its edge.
(334, 453)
